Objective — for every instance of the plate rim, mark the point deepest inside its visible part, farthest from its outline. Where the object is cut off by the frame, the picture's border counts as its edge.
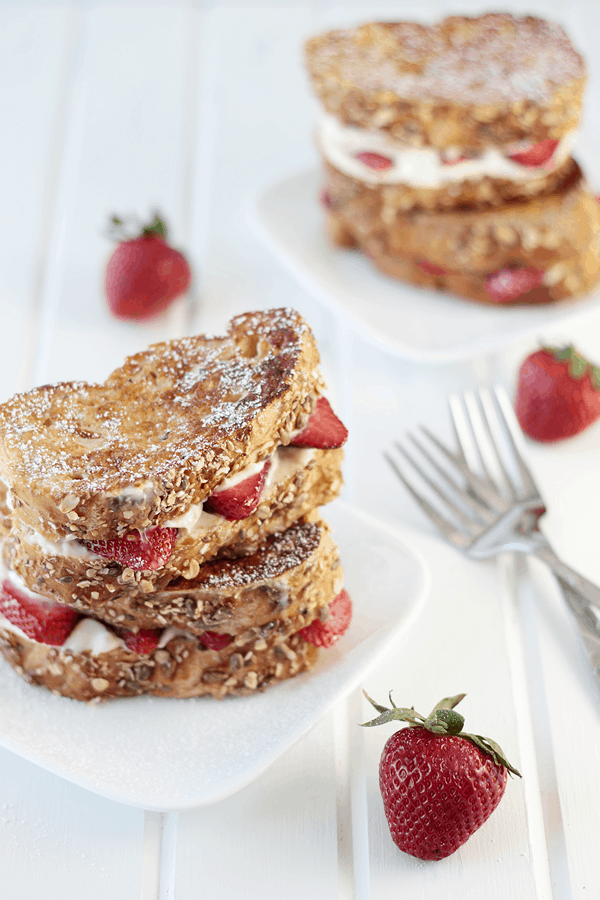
(573, 313)
(403, 537)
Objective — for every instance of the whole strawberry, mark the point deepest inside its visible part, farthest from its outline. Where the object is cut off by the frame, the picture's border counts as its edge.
(438, 784)
(558, 394)
(144, 274)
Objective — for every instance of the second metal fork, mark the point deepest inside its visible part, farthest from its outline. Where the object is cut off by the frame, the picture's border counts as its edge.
(485, 500)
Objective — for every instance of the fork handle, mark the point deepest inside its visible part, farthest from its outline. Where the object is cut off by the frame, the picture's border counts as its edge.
(583, 599)
(590, 592)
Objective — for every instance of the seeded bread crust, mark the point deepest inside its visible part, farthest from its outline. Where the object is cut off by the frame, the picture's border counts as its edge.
(183, 668)
(558, 234)
(162, 432)
(291, 572)
(96, 584)
(462, 82)
(480, 192)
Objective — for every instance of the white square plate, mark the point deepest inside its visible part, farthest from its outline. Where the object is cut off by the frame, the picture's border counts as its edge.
(165, 754)
(410, 322)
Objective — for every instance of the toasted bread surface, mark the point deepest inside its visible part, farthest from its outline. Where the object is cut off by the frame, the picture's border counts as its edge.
(96, 584)
(290, 571)
(557, 233)
(182, 668)
(161, 432)
(464, 82)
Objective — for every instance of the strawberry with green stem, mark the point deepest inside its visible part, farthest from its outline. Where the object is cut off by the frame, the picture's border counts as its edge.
(558, 394)
(144, 274)
(438, 783)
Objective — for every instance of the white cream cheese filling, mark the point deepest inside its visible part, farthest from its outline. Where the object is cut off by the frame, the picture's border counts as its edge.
(422, 167)
(88, 634)
(285, 462)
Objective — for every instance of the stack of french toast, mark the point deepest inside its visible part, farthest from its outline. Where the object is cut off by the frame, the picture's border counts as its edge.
(162, 532)
(447, 155)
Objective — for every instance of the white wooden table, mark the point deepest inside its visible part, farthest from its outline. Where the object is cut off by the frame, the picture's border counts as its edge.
(188, 106)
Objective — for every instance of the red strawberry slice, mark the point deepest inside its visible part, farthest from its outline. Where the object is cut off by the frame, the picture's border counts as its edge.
(537, 155)
(212, 640)
(375, 161)
(144, 641)
(558, 394)
(44, 621)
(509, 284)
(430, 267)
(325, 634)
(239, 501)
(140, 550)
(324, 430)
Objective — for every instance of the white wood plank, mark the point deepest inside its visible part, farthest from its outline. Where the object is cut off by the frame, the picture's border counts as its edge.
(124, 152)
(275, 838)
(59, 842)
(254, 124)
(34, 84)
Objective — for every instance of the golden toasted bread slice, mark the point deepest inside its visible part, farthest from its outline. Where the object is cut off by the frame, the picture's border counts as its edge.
(462, 82)
(235, 628)
(547, 246)
(162, 432)
(68, 571)
(293, 572)
(182, 667)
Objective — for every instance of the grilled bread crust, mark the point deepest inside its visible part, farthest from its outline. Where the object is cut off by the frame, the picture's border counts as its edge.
(462, 82)
(162, 432)
(183, 668)
(557, 233)
(292, 571)
(92, 582)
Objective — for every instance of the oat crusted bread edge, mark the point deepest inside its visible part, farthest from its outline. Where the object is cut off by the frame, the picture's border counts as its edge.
(184, 668)
(162, 431)
(557, 233)
(465, 82)
(98, 584)
(290, 571)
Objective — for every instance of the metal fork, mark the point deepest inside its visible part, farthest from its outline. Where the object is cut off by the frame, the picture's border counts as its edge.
(490, 501)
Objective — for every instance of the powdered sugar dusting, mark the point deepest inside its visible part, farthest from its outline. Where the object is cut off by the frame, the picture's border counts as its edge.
(280, 553)
(189, 402)
(497, 58)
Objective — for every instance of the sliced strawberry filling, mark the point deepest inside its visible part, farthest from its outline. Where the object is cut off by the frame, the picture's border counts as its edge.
(143, 641)
(325, 634)
(430, 267)
(324, 430)
(44, 621)
(142, 551)
(212, 640)
(536, 155)
(239, 501)
(375, 161)
(326, 200)
(510, 284)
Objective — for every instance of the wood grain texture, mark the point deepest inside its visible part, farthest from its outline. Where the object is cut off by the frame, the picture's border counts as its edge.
(192, 107)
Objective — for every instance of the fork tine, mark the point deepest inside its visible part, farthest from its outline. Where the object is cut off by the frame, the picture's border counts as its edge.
(485, 414)
(465, 521)
(484, 490)
(477, 508)
(450, 532)
(502, 407)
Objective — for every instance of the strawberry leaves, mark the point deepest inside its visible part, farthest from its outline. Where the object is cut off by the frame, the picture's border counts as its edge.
(442, 720)
(577, 364)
